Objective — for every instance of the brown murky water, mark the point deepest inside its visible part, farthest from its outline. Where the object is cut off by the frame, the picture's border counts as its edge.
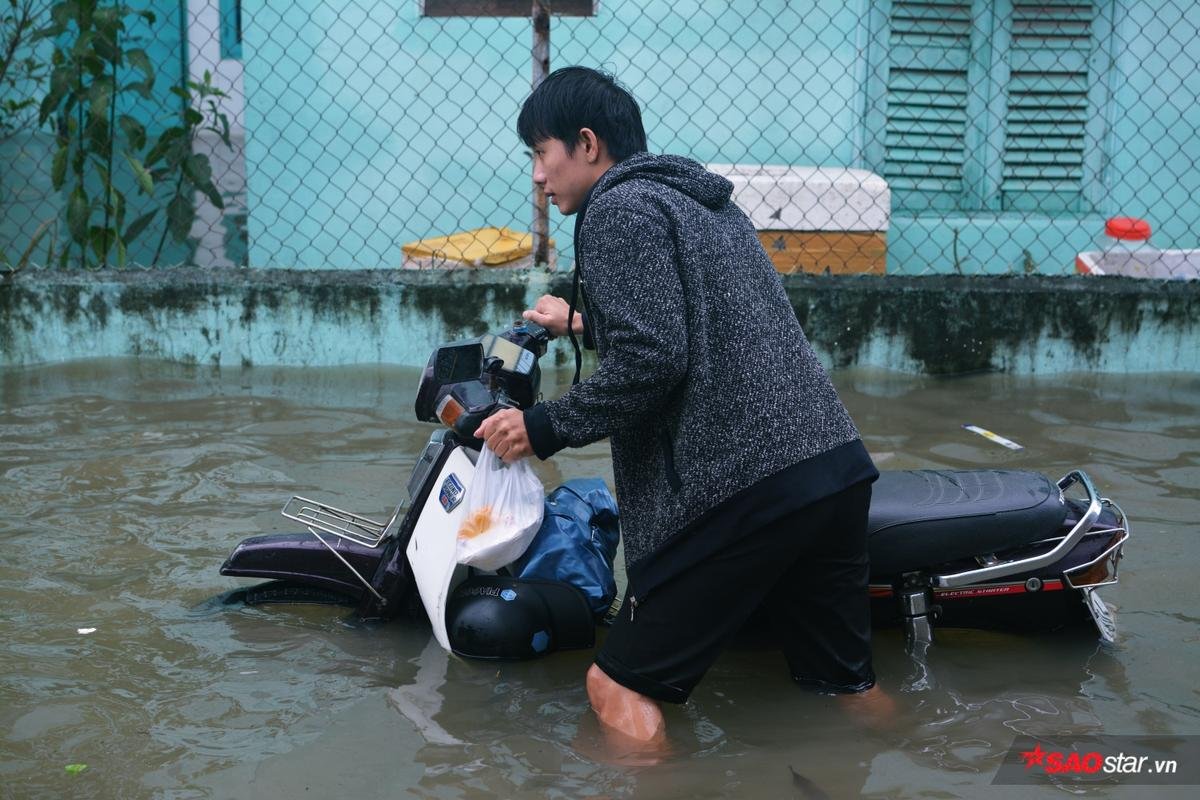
(125, 483)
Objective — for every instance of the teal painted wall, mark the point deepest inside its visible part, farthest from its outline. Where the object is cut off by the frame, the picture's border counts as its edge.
(1155, 168)
(369, 126)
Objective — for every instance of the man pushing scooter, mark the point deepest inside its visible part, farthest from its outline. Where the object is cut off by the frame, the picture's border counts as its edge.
(741, 479)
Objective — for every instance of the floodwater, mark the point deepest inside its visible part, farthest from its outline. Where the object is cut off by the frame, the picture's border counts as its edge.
(125, 483)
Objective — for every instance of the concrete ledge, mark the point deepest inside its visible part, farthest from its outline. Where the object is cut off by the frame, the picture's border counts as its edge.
(955, 324)
(934, 325)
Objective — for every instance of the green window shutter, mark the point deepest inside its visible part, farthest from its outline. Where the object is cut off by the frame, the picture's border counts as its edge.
(231, 29)
(928, 49)
(1049, 105)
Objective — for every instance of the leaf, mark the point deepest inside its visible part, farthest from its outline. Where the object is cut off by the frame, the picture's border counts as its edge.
(139, 60)
(99, 165)
(98, 132)
(78, 212)
(212, 194)
(118, 203)
(58, 170)
(138, 225)
(48, 104)
(197, 168)
(106, 19)
(47, 32)
(122, 255)
(37, 237)
(101, 239)
(64, 13)
(60, 86)
(105, 45)
(192, 117)
(75, 769)
(180, 215)
(99, 95)
(144, 181)
(168, 140)
(134, 130)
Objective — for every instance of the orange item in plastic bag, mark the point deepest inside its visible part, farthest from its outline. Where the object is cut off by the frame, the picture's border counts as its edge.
(478, 522)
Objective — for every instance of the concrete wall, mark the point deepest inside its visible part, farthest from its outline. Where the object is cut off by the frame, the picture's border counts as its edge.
(935, 325)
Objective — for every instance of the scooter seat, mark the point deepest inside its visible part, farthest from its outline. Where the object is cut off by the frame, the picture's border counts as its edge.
(920, 518)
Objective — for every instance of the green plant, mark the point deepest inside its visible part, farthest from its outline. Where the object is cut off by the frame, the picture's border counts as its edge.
(11, 268)
(20, 70)
(83, 96)
(172, 155)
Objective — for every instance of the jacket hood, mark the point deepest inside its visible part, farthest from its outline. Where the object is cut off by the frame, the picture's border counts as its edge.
(681, 174)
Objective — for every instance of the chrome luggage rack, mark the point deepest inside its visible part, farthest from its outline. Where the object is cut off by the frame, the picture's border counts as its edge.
(317, 516)
(337, 522)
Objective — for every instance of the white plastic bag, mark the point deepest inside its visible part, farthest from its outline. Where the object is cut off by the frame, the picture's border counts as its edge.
(502, 512)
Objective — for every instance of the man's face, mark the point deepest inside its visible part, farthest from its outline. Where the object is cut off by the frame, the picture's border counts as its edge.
(564, 177)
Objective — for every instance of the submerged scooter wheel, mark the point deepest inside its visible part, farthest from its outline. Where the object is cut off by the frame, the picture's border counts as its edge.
(499, 618)
(287, 592)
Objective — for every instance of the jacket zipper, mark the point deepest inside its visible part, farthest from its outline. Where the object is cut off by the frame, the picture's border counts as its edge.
(633, 604)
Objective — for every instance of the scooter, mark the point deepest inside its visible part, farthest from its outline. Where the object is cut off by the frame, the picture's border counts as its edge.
(995, 549)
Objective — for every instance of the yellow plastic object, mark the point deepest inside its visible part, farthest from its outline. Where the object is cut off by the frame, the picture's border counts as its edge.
(482, 247)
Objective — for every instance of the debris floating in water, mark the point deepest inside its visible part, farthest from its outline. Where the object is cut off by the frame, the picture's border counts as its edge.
(75, 769)
(995, 437)
(85, 631)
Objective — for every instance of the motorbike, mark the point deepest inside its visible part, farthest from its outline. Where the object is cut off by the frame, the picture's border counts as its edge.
(981, 548)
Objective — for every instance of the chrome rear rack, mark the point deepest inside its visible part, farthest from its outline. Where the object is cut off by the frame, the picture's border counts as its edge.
(1005, 568)
(317, 516)
(338, 522)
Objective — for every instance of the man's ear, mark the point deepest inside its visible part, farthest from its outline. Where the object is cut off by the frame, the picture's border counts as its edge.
(591, 144)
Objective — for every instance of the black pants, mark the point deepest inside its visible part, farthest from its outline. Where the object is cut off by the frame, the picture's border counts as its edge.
(810, 571)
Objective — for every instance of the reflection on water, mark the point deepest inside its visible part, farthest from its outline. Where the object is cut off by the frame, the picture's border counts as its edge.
(126, 483)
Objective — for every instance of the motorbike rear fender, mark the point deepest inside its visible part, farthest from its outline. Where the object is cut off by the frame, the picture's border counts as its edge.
(300, 558)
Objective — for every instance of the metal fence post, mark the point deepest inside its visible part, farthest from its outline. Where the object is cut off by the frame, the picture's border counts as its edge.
(541, 68)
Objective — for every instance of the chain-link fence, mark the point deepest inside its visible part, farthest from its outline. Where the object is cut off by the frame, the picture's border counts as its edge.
(906, 137)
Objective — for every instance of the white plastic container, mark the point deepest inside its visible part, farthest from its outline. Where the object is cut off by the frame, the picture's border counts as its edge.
(783, 198)
(1125, 250)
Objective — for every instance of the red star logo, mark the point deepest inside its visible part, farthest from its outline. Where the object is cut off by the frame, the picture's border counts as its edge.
(1035, 756)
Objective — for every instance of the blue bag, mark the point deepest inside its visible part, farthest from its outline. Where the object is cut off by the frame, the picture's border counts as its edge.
(577, 542)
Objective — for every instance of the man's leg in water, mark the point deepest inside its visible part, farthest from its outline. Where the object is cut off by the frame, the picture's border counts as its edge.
(873, 708)
(625, 711)
(821, 609)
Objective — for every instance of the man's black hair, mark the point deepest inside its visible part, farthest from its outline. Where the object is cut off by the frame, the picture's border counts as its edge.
(572, 98)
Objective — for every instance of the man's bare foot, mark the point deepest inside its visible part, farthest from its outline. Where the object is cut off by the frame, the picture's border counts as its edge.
(632, 722)
(873, 708)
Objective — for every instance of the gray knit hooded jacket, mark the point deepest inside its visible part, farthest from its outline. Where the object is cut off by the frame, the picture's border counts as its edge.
(705, 382)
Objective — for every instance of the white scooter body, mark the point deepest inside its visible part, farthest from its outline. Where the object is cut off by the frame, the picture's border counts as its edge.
(433, 549)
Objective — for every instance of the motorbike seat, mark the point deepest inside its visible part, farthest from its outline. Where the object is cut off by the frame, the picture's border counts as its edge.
(920, 518)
